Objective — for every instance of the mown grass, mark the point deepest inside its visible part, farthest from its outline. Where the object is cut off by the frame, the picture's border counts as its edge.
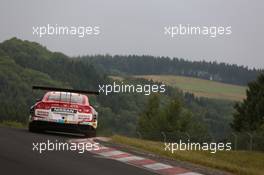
(12, 124)
(237, 162)
(201, 87)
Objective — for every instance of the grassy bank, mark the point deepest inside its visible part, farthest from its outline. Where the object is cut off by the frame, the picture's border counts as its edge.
(237, 162)
(12, 124)
(201, 87)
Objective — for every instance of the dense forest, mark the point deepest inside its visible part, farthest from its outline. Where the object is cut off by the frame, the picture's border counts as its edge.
(149, 65)
(24, 63)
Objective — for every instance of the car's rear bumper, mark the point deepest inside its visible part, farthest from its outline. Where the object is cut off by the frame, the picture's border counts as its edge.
(61, 127)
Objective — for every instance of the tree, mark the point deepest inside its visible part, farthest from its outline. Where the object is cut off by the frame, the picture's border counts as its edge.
(249, 115)
(172, 117)
(147, 122)
(173, 114)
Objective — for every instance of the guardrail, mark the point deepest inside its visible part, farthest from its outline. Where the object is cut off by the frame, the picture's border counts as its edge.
(239, 140)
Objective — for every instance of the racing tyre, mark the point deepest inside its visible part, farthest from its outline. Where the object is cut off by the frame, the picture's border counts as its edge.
(33, 128)
(90, 133)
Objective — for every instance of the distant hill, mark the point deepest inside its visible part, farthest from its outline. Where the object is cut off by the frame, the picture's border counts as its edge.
(200, 87)
(149, 65)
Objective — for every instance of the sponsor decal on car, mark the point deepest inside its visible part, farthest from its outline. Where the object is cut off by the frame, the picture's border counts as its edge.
(64, 110)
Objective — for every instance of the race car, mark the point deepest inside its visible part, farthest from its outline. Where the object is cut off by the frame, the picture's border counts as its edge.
(64, 110)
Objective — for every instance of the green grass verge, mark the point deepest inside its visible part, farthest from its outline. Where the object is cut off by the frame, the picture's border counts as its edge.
(12, 124)
(237, 162)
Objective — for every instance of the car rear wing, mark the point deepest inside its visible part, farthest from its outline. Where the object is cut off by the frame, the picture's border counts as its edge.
(65, 90)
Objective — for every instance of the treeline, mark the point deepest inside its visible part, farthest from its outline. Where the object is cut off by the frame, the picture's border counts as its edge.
(149, 65)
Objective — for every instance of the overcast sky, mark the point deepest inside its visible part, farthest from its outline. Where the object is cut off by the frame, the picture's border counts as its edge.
(137, 27)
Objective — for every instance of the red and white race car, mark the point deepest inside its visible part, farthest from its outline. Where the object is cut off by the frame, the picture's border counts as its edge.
(63, 110)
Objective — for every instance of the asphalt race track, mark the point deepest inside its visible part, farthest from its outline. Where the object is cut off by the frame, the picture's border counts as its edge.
(17, 157)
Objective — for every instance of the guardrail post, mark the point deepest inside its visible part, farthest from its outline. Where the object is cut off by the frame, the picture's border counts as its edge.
(188, 136)
(139, 135)
(235, 140)
(164, 136)
(250, 141)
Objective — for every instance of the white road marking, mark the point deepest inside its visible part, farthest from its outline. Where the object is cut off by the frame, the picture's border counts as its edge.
(190, 173)
(157, 166)
(104, 139)
(129, 158)
(103, 147)
(111, 153)
(107, 154)
(81, 141)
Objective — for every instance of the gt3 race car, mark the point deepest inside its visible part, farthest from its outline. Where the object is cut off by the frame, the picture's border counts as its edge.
(63, 110)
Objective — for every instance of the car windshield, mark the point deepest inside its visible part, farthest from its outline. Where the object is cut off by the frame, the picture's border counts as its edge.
(66, 97)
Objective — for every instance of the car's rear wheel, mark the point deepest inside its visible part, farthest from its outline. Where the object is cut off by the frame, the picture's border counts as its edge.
(90, 133)
(32, 127)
